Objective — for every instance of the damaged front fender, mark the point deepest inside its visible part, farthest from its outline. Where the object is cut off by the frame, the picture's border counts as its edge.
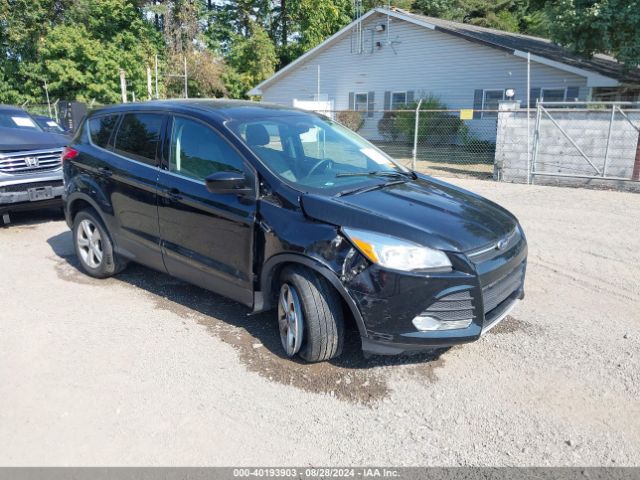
(288, 237)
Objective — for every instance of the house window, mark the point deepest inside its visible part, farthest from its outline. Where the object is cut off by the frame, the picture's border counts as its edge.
(553, 94)
(398, 100)
(361, 102)
(490, 101)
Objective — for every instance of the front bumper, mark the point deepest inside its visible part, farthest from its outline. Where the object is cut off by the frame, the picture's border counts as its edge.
(484, 292)
(30, 192)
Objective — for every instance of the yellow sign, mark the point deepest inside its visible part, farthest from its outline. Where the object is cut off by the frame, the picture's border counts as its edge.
(466, 114)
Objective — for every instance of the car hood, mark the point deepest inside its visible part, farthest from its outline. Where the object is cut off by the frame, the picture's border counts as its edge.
(14, 139)
(424, 210)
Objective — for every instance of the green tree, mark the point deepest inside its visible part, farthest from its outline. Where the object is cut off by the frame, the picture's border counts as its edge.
(23, 24)
(508, 15)
(83, 56)
(598, 26)
(403, 4)
(183, 28)
(78, 47)
(308, 23)
(253, 59)
(232, 20)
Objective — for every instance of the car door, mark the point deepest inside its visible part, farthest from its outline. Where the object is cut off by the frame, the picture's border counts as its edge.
(133, 169)
(207, 239)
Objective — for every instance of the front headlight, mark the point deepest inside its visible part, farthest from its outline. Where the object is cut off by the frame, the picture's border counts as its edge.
(396, 253)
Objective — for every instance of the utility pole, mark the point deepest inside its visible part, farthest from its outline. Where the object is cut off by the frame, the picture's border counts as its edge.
(123, 85)
(157, 94)
(149, 91)
(186, 92)
(46, 91)
(636, 164)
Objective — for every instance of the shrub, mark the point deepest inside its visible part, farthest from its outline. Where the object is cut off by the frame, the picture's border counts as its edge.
(350, 119)
(476, 145)
(435, 126)
(388, 126)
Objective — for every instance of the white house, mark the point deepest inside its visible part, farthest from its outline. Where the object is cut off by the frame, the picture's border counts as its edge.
(389, 57)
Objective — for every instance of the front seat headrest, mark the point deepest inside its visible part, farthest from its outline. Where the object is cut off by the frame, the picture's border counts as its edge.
(257, 135)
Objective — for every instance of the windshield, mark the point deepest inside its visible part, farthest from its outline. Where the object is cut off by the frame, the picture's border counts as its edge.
(49, 125)
(19, 120)
(316, 154)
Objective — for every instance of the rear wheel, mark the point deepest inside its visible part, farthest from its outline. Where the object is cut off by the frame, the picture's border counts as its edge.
(94, 247)
(310, 317)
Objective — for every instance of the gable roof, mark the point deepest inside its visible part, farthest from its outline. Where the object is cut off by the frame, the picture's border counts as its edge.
(605, 70)
(517, 43)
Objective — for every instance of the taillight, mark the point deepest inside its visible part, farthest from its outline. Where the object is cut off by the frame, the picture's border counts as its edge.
(69, 153)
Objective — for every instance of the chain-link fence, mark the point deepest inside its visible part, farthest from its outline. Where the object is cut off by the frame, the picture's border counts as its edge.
(66, 114)
(449, 142)
(554, 143)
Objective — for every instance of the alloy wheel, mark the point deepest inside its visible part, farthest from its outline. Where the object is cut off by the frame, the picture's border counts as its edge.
(290, 319)
(89, 243)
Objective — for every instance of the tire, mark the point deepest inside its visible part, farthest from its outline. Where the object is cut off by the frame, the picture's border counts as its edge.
(88, 244)
(322, 318)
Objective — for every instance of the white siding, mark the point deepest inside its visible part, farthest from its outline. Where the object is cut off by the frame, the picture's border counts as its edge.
(422, 60)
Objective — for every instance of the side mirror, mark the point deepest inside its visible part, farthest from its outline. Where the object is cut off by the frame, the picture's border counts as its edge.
(227, 182)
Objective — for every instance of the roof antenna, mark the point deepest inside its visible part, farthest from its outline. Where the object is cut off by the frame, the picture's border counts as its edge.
(357, 28)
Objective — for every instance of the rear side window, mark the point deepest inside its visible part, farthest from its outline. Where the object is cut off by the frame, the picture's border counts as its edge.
(138, 136)
(100, 129)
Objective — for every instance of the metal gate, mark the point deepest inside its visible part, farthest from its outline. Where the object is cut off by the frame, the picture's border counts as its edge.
(591, 140)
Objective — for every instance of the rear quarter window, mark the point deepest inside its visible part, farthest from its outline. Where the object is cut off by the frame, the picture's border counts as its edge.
(101, 128)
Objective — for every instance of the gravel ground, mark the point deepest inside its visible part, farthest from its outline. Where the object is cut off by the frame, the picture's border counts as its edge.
(146, 370)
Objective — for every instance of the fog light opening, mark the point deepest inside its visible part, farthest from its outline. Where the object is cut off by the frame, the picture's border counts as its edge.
(431, 324)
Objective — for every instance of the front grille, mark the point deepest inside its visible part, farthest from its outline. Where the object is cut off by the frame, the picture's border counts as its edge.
(497, 292)
(498, 248)
(21, 187)
(456, 306)
(25, 162)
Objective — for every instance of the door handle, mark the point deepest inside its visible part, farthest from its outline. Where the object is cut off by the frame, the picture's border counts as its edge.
(173, 194)
(105, 172)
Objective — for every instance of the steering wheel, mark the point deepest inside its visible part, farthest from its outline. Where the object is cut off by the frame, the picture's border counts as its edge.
(326, 163)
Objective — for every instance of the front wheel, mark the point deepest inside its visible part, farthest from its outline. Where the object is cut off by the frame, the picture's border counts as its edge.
(310, 317)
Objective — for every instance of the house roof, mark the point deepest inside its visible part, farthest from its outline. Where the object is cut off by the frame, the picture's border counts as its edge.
(601, 67)
(514, 42)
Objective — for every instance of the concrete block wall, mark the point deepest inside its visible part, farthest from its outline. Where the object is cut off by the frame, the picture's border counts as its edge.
(555, 153)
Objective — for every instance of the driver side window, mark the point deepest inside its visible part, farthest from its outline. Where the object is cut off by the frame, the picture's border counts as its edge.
(197, 151)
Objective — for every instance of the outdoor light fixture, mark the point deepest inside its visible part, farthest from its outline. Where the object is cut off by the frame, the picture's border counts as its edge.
(510, 93)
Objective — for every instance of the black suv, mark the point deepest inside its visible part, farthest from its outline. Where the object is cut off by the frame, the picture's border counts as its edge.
(281, 208)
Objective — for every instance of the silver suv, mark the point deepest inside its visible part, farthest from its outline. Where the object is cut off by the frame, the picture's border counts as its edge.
(30, 163)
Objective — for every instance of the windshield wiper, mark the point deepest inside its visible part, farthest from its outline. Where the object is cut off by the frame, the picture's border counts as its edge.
(376, 173)
(401, 177)
(369, 188)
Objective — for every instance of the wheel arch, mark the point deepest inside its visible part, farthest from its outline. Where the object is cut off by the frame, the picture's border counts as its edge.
(271, 272)
(75, 202)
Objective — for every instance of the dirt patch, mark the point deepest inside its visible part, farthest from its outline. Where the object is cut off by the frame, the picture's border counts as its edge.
(511, 325)
(68, 269)
(350, 377)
